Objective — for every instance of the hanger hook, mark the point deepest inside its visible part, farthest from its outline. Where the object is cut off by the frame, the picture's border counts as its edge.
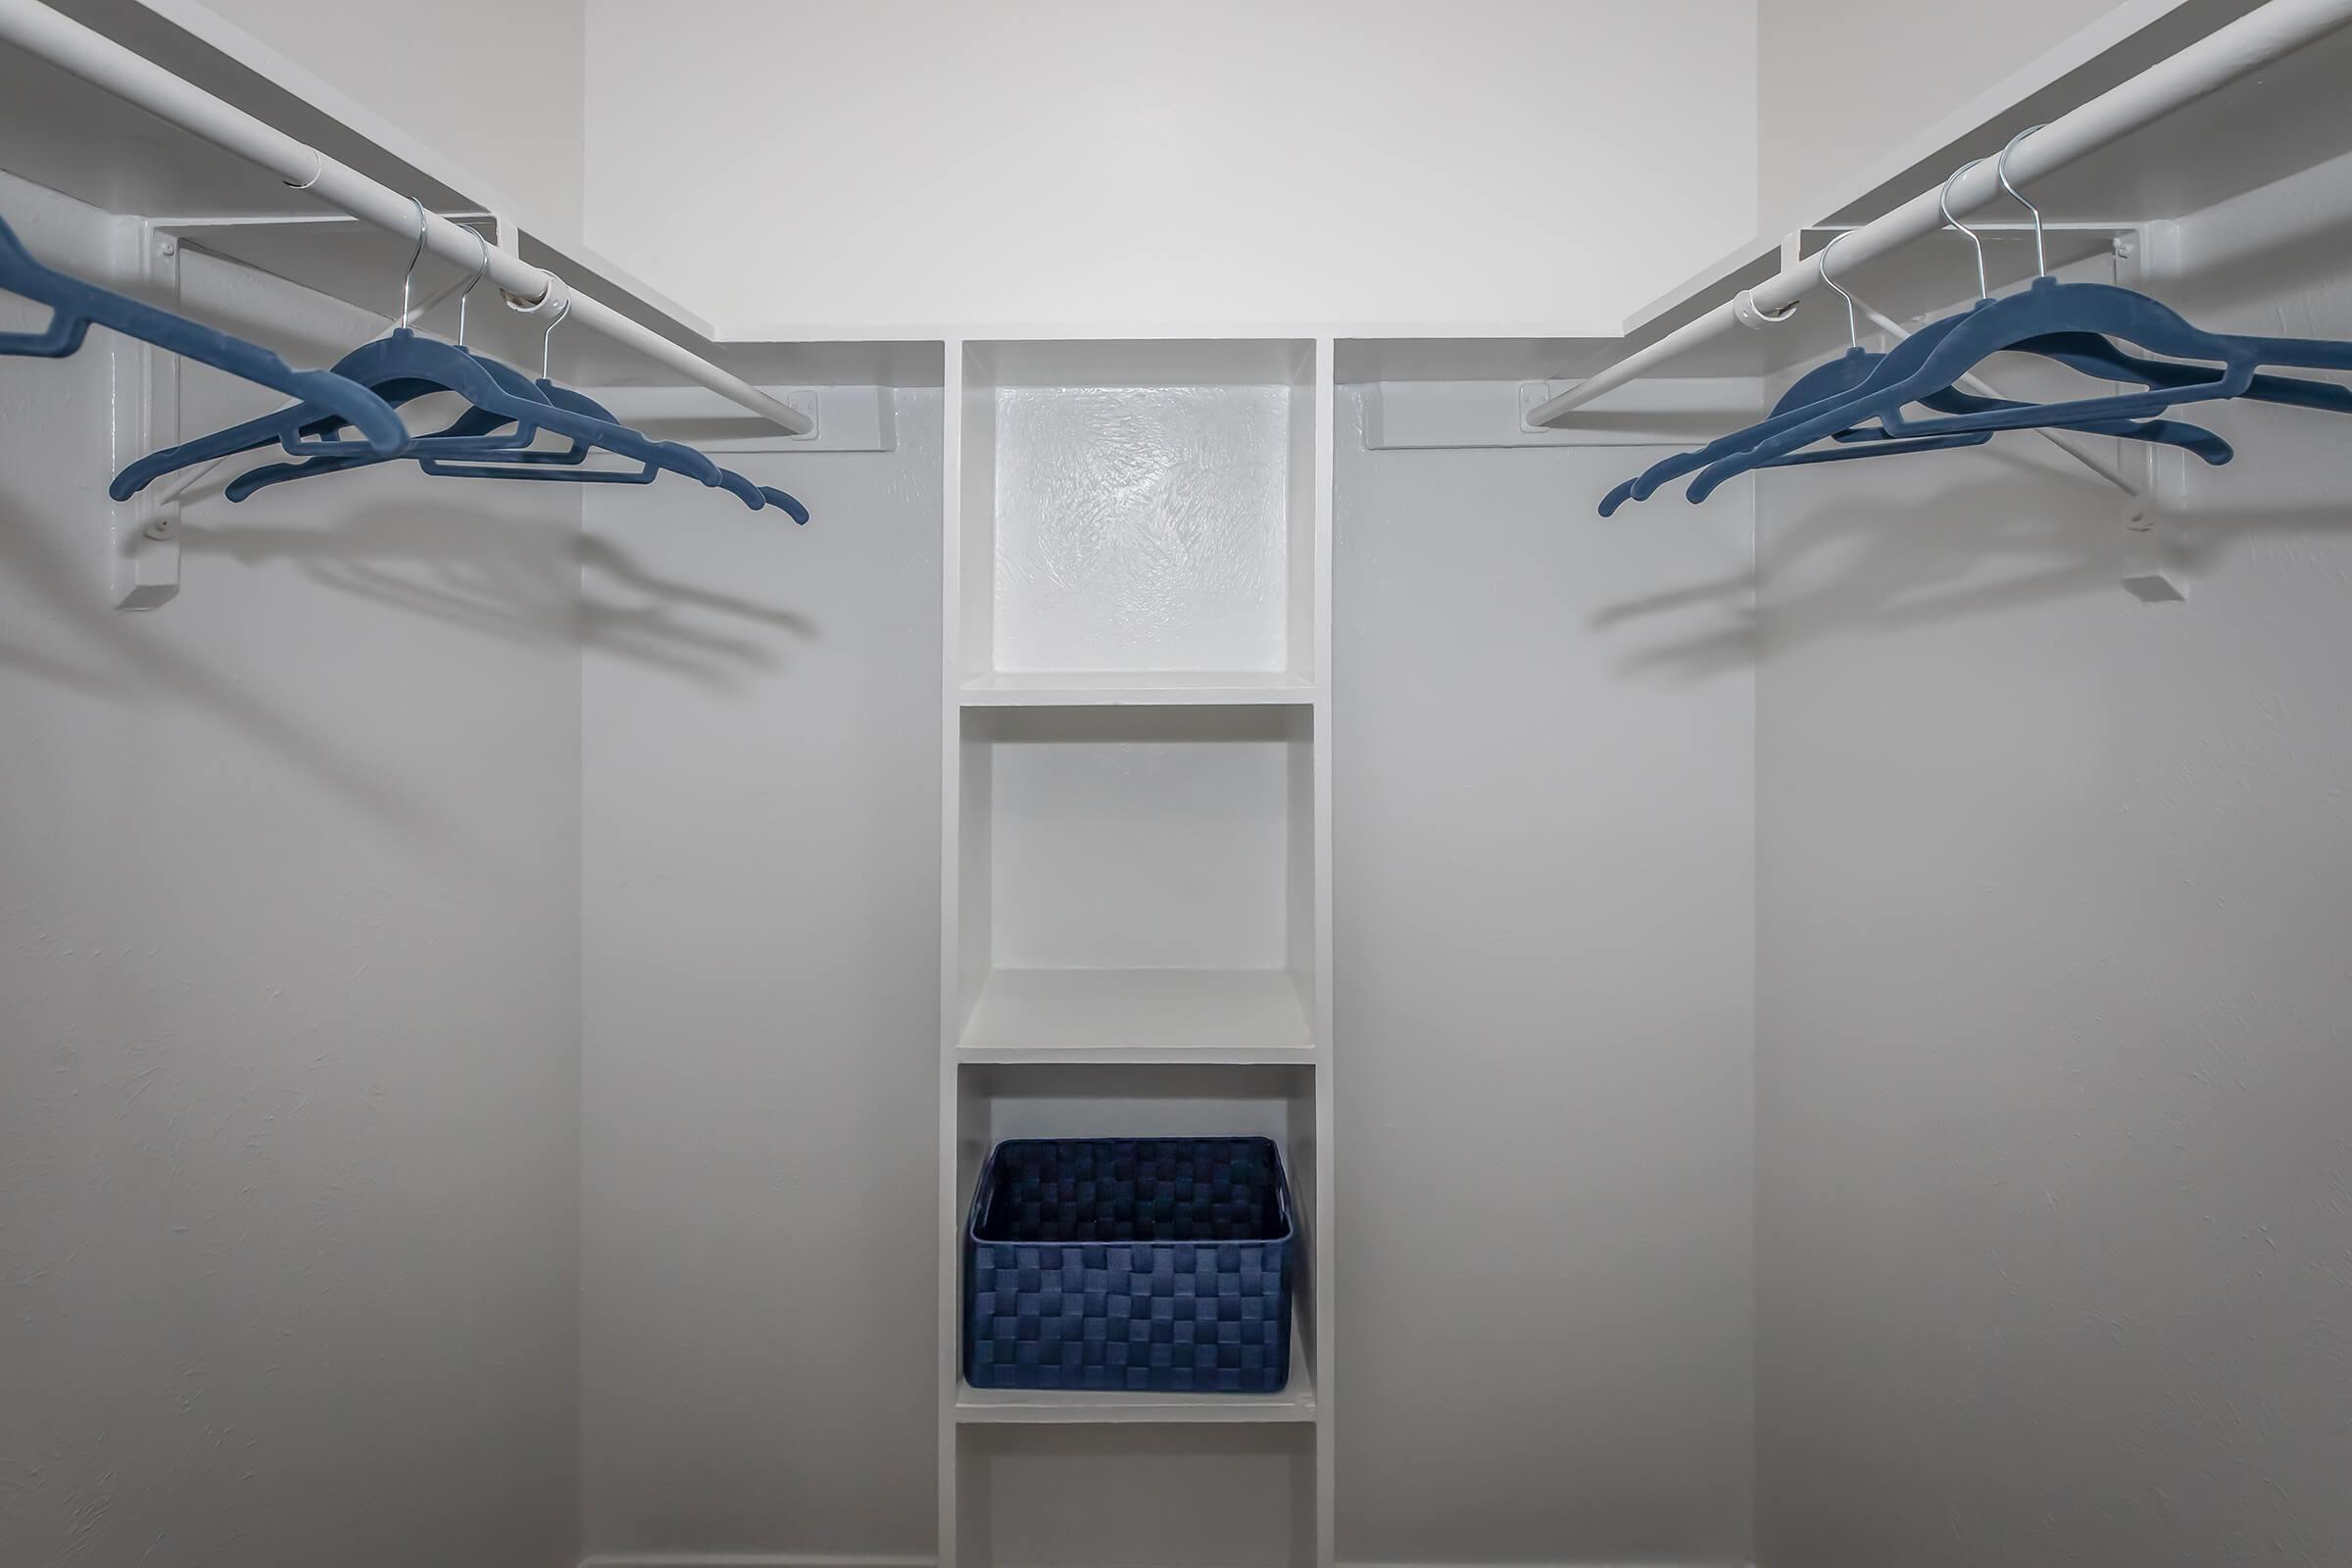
(1853, 327)
(547, 340)
(407, 282)
(481, 270)
(2042, 254)
(1944, 199)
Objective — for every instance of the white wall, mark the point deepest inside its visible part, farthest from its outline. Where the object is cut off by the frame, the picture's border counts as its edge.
(761, 916)
(288, 997)
(2054, 1211)
(1545, 880)
(1837, 82)
(1231, 162)
(498, 88)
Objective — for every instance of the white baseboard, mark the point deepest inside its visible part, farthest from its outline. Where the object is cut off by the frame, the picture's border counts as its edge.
(787, 1559)
(748, 1559)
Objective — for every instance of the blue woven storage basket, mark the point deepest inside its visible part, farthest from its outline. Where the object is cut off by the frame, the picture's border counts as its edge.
(1148, 1264)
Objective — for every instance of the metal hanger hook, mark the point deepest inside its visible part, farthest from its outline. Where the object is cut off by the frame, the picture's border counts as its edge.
(1853, 326)
(1944, 199)
(481, 270)
(547, 340)
(2042, 254)
(407, 282)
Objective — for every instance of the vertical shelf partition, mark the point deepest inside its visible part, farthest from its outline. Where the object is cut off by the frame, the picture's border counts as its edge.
(1135, 889)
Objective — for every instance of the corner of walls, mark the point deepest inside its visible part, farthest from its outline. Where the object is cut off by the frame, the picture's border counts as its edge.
(2051, 1164)
(1840, 78)
(288, 1109)
(500, 89)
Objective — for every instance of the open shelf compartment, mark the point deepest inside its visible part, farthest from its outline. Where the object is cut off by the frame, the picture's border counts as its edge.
(1136, 882)
(1136, 1496)
(1139, 521)
(998, 1100)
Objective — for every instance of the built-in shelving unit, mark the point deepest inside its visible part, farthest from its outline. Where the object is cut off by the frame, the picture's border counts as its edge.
(1136, 911)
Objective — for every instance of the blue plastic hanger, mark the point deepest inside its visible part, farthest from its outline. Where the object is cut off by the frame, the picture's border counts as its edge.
(562, 397)
(475, 429)
(2047, 307)
(557, 465)
(1854, 369)
(76, 307)
(403, 366)
(2096, 356)
(754, 496)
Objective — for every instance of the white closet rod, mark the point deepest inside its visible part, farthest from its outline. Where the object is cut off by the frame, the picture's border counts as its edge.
(103, 63)
(2220, 57)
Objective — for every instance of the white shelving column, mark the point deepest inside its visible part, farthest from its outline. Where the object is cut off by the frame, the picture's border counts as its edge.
(1135, 888)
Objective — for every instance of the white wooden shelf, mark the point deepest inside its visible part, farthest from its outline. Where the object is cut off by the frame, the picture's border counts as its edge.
(1218, 1015)
(1054, 1406)
(1141, 688)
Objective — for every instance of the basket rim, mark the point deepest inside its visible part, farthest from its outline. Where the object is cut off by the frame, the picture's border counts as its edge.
(1282, 1187)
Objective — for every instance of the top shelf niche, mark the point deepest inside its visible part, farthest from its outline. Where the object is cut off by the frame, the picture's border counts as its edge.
(1138, 523)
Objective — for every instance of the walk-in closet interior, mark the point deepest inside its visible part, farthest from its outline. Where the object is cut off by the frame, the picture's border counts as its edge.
(1256, 785)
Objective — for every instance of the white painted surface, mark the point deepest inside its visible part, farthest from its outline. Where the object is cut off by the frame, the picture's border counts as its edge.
(1131, 1497)
(1544, 884)
(500, 89)
(289, 981)
(1142, 528)
(1837, 82)
(1149, 838)
(1233, 163)
(761, 777)
(2053, 1211)
(1239, 1014)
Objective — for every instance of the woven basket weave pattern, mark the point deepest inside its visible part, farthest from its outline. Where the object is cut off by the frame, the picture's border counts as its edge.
(1149, 1264)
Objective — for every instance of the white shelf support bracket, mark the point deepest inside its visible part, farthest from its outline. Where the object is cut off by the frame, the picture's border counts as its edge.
(2148, 565)
(142, 414)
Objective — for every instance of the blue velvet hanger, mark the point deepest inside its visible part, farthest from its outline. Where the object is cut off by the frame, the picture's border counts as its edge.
(405, 365)
(76, 307)
(735, 485)
(529, 465)
(2096, 355)
(754, 496)
(1858, 367)
(474, 430)
(561, 466)
(2049, 306)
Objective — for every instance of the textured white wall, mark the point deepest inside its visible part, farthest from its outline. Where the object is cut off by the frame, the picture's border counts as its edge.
(1837, 82)
(2055, 1215)
(1229, 162)
(498, 88)
(761, 924)
(288, 997)
(1545, 879)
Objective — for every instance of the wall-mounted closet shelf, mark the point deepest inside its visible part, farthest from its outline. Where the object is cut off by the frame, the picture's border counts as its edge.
(136, 110)
(2232, 113)
(1136, 845)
